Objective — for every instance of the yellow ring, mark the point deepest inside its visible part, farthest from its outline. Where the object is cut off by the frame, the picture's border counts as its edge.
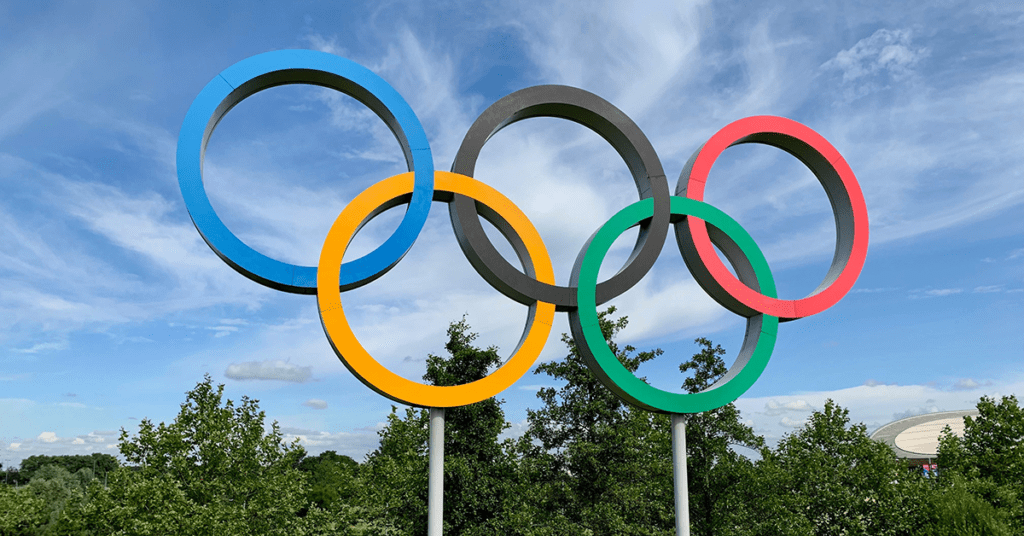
(362, 209)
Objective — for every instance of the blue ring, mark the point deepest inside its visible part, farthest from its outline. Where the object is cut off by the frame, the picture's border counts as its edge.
(270, 69)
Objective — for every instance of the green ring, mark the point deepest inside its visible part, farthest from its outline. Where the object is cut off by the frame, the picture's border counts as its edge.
(606, 366)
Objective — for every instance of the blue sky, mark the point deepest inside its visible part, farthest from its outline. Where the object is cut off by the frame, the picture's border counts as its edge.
(112, 306)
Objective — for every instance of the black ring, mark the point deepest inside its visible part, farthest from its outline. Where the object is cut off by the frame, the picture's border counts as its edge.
(611, 124)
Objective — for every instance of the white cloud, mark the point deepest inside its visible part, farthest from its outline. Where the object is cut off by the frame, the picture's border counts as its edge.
(967, 384)
(315, 403)
(634, 57)
(515, 430)
(859, 290)
(78, 405)
(535, 387)
(50, 444)
(792, 423)
(43, 347)
(355, 444)
(88, 284)
(873, 405)
(935, 293)
(929, 407)
(887, 51)
(773, 407)
(268, 370)
(222, 331)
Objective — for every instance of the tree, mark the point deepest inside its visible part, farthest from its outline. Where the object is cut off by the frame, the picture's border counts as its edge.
(713, 467)
(477, 471)
(214, 470)
(992, 446)
(99, 463)
(759, 503)
(955, 510)
(13, 477)
(334, 479)
(601, 466)
(21, 511)
(396, 472)
(478, 474)
(989, 460)
(221, 457)
(842, 481)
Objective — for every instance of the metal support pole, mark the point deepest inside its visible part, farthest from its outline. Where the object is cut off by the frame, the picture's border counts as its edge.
(435, 480)
(682, 493)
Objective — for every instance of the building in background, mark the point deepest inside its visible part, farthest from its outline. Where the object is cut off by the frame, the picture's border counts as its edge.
(916, 439)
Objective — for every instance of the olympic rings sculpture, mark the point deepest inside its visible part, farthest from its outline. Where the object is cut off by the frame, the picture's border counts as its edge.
(699, 228)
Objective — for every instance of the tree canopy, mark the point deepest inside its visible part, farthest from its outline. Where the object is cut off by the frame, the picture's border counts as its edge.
(587, 464)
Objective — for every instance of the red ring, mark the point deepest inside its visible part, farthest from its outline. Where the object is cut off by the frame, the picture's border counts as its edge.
(843, 191)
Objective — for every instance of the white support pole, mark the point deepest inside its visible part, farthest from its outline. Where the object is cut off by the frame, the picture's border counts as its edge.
(682, 493)
(435, 479)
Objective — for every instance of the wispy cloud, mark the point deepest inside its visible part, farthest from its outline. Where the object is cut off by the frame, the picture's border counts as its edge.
(269, 370)
(773, 407)
(968, 384)
(51, 443)
(928, 407)
(355, 444)
(859, 290)
(888, 52)
(792, 423)
(315, 403)
(43, 347)
(935, 292)
(222, 331)
(875, 405)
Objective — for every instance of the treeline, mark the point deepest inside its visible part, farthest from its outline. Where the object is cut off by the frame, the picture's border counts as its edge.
(97, 463)
(586, 465)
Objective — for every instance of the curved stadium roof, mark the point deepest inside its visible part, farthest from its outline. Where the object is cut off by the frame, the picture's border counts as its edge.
(917, 438)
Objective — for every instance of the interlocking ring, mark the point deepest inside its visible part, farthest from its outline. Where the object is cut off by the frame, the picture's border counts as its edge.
(843, 192)
(503, 214)
(611, 124)
(280, 67)
(699, 228)
(749, 263)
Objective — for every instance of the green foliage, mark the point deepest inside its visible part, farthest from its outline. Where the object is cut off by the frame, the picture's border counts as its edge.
(98, 463)
(588, 465)
(989, 459)
(396, 472)
(37, 507)
(842, 481)
(334, 479)
(955, 509)
(758, 503)
(993, 444)
(22, 512)
(214, 470)
(478, 474)
(600, 466)
(714, 469)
